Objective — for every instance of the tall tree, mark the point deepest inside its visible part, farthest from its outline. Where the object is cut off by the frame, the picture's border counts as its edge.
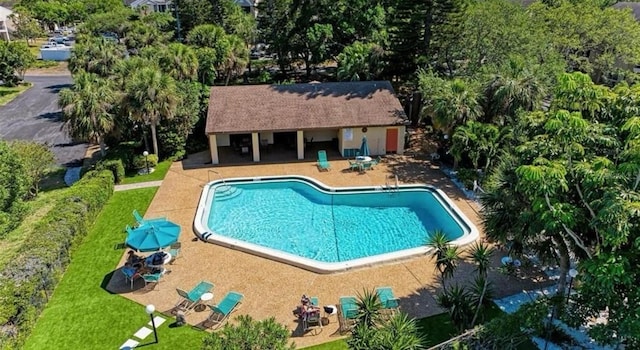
(592, 39)
(98, 55)
(87, 108)
(236, 59)
(26, 27)
(515, 88)
(457, 104)
(360, 61)
(179, 61)
(151, 96)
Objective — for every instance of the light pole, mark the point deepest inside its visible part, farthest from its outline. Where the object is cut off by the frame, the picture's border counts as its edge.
(149, 309)
(146, 160)
(572, 273)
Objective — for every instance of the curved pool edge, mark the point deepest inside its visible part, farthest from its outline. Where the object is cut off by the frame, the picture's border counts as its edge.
(202, 232)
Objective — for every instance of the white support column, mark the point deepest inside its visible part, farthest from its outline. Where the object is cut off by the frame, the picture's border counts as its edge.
(213, 148)
(255, 143)
(300, 143)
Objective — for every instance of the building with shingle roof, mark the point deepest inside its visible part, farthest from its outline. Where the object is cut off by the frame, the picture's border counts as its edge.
(251, 118)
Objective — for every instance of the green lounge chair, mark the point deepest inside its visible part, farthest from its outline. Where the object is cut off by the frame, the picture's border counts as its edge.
(152, 278)
(142, 221)
(191, 299)
(221, 311)
(354, 166)
(347, 313)
(323, 163)
(388, 300)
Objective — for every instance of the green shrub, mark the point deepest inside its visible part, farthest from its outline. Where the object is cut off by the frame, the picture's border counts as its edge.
(140, 162)
(27, 281)
(467, 176)
(115, 166)
(125, 152)
(14, 187)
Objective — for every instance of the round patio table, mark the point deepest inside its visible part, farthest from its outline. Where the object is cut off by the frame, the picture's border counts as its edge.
(363, 159)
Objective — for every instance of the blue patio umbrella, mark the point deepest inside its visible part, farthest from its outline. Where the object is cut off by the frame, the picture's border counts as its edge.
(153, 236)
(364, 147)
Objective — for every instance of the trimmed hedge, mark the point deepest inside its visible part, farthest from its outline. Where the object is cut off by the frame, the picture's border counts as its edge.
(27, 281)
(115, 166)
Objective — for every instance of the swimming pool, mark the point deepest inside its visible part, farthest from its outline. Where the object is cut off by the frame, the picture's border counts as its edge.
(303, 222)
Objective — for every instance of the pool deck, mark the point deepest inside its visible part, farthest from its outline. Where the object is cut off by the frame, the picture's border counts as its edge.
(274, 289)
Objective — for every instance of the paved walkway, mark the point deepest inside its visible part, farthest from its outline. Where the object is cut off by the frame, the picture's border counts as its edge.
(138, 185)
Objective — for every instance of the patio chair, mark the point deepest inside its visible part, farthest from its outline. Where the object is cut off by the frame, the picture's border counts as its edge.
(354, 166)
(221, 311)
(323, 163)
(388, 300)
(347, 313)
(152, 278)
(312, 321)
(191, 299)
(130, 274)
(142, 221)
(174, 250)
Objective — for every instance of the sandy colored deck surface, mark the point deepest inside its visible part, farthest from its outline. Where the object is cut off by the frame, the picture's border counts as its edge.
(274, 289)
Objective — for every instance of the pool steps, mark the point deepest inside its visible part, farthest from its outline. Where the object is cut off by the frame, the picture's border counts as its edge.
(226, 192)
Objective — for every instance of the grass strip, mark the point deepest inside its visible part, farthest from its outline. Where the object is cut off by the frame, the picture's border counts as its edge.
(81, 313)
(161, 170)
(7, 94)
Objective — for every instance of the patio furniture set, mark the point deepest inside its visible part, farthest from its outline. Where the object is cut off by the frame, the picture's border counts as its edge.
(197, 298)
(347, 311)
(158, 235)
(360, 164)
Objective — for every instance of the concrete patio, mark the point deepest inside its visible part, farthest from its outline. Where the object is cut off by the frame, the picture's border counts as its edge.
(274, 289)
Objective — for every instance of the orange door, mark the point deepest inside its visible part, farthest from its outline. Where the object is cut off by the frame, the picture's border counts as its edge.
(392, 140)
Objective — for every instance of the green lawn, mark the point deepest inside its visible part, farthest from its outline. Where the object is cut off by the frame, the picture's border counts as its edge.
(7, 94)
(161, 170)
(340, 344)
(83, 315)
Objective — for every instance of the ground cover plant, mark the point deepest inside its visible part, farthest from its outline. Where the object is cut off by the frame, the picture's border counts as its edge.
(81, 313)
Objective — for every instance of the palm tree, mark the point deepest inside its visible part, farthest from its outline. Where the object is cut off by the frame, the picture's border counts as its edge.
(401, 333)
(86, 108)
(179, 61)
(458, 302)
(369, 307)
(445, 254)
(237, 57)
(516, 89)
(481, 255)
(98, 55)
(457, 104)
(151, 96)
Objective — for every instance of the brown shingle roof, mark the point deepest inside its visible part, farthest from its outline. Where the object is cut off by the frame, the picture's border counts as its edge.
(248, 108)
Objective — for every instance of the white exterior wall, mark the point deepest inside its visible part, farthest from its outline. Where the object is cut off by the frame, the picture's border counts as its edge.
(223, 140)
(376, 139)
(267, 135)
(321, 135)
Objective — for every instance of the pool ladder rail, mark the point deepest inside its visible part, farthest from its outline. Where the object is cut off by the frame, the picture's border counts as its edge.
(391, 189)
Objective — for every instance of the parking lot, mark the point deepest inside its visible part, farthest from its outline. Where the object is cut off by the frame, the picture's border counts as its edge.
(35, 115)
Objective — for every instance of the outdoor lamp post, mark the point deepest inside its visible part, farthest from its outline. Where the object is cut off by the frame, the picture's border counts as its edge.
(572, 273)
(149, 309)
(146, 160)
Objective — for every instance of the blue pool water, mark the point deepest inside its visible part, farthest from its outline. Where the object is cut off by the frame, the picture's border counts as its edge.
(296, 217)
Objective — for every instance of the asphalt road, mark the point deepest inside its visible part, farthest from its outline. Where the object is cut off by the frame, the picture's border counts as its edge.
(35, 115)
